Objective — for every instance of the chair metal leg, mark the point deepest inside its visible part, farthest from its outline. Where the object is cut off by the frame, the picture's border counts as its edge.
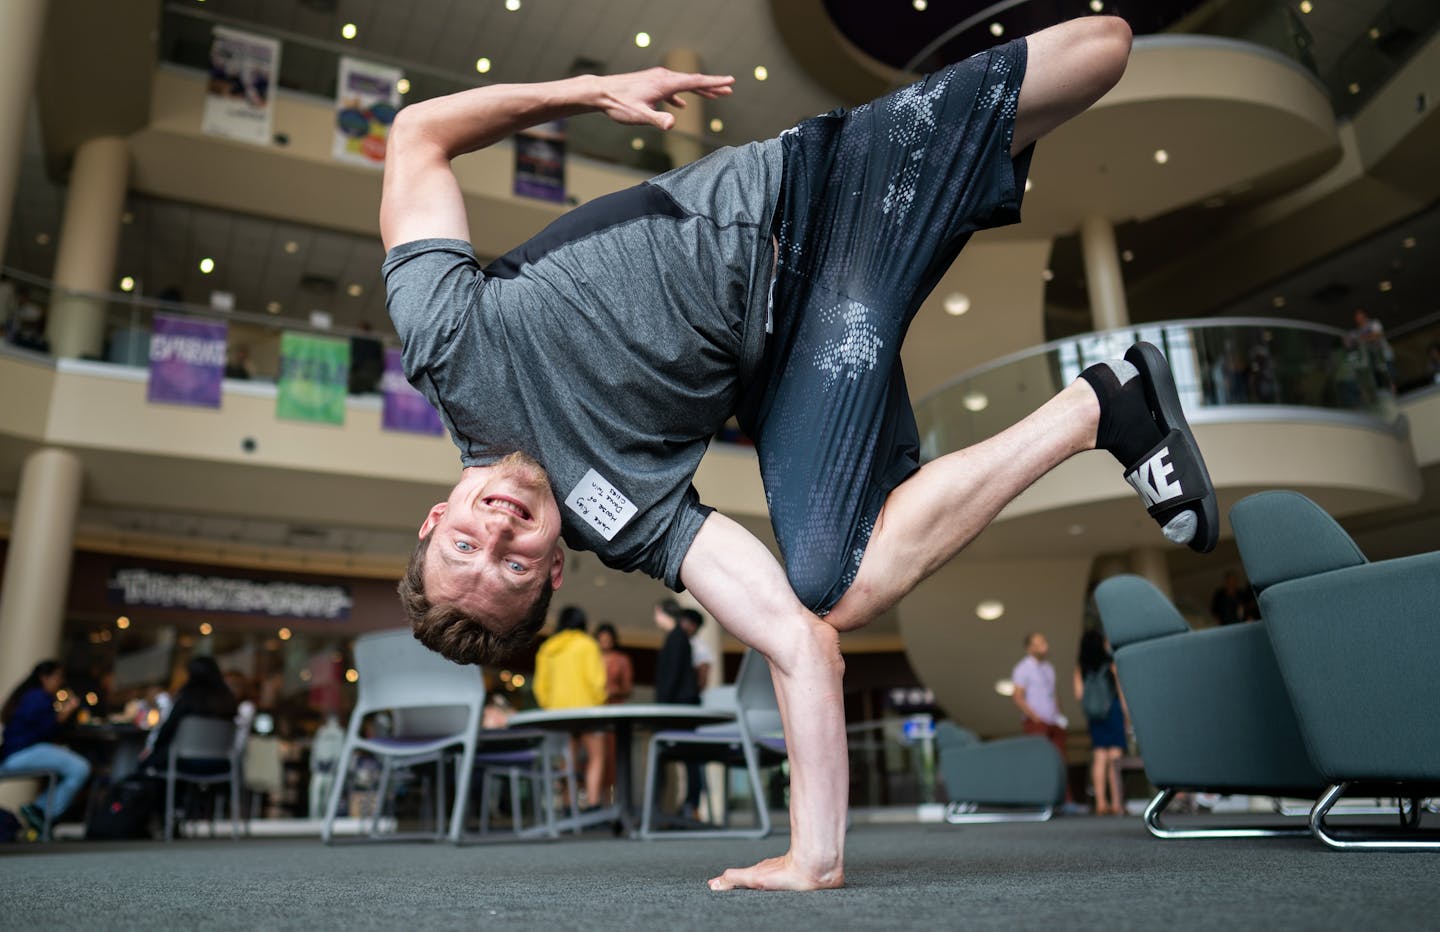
(464, 768)
(651, 760)
(1164, 798)
(440, 798)
(485, 800)
(381, 795)
(47, 830)
(337, 789)
(1408, 838)
(170, 805)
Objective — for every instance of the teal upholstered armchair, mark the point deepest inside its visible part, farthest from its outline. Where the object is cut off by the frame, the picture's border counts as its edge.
(1357, 645)
(1209, 709)
(1023, 776)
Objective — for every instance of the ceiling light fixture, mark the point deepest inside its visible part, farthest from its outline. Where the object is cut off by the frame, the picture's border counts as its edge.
(1127, 256)
(352, 675)
(207, 265)
(283, 634)
(1076, 530)
(1048, 275)
(292, 247)
(1374, 32)
(717, 125)
(402, 86)
(1097, 5)
(122, 622)
(919, 5)
(1385, 285)
(997, 30)
(642, 40)
(1353, 87)
(956, 303)
(637, 143)
(1408, 242)
(273, 307)
(975, 402)
(482, 65)
(1306, 6)
(1005, 687)
(127, 284)
(206, 629)
(1278, 301)
(512, 5)
(1028, 185)
(761, 72)
(355, 290)
(1161, 156)
(990, 609)
(43, 239)
(348, 31)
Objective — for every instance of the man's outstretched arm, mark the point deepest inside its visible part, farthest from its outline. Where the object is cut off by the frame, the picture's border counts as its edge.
(740, 583)
(421, 198)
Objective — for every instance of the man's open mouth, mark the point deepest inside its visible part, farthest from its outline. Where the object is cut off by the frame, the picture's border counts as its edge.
(510, 505)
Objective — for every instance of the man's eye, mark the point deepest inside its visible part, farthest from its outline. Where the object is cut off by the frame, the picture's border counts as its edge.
(464, 546)
(515, 567)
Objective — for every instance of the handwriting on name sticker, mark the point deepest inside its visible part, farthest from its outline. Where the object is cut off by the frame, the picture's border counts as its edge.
(602, 506)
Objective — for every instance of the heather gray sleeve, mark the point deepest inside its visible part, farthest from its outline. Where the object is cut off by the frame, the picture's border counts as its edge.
(430, 286)
(683, 528)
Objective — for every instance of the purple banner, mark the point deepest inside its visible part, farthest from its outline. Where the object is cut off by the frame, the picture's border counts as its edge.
(187, 360)
(540, 162)
(405, 408)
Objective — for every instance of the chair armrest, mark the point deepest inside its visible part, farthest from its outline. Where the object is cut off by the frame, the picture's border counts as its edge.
(1357, 649)
(1210, 712)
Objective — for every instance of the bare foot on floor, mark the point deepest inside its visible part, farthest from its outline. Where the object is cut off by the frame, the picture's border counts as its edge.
(777, 874)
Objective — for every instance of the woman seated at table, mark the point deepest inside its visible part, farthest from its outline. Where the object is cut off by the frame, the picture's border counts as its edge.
(204, 694)
(31, 716)
(570, 673)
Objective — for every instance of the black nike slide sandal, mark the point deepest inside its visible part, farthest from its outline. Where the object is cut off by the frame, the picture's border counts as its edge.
(1171, 478)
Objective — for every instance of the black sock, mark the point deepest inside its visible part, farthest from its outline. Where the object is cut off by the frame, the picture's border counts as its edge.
(1127, 429)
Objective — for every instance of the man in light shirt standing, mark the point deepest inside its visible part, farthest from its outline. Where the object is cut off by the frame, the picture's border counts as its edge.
(1034, 679)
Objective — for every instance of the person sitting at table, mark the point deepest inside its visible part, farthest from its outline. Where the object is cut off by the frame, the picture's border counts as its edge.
(619, 683)
(31, 717)
(570, 673)
(204, 694)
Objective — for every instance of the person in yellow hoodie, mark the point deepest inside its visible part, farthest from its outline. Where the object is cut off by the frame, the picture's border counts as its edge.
(570, 672)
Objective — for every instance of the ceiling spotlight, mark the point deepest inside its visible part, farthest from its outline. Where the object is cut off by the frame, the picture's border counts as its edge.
(352, 675)
(1048, 275)
(355, 290)
(1374, 32)
(1278, 301)
(43, 239)
(761, 73)
(1076, 530)
(1097, 5)
(273, 307)
(1385, 285)
(997, 30)
(990, 609)
(348, 31)
(207, 265)
(1161, 156)
(1306, 6)
(292, 247)
(122, 622)
(402, 86)
(1353, 87)
(127, 284)
(975, 401)
(919, 5)
(1005, 687)
(600, 582)
(637, 143)
(1408, 242)
(717, 125)
(642, 40)
(512, 5)
(283, 634)
(482, 65)
(206, 629)
(1028, 185)
(956, 303)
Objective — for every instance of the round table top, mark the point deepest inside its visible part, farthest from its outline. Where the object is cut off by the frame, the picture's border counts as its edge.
(664, 714)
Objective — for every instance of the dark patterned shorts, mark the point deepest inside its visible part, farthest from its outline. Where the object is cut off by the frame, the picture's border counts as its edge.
(875, 205)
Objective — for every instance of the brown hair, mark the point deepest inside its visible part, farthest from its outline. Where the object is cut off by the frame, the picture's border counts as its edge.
(466, 637)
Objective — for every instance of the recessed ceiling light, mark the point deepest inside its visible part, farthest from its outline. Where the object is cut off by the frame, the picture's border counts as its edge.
(207, 265)
(1161, 156)
(512, 5)
(1306, 6)
(292, 247)
(1048, 275)
(1408, 242)
(1127, 256)
(1353, 87)
(1385, 285)
(919, 5)
(43, 239)
(637, 143)
(600, 582)
(1278, 301)
(206, 628)
(355, 290)
(402, 86)
(1005, 687)
(127, 284)
(1374, 32)
(482, 65)
(717, 125)
(975, 401)
(348, 31)
(990, 609)
(122, 622)
(352, 675)
(1076, 530)
(1097, 5)
(996, 29)
(283, 634)
(956, 303)
(273, 307)
(761, 73)
(642, 40)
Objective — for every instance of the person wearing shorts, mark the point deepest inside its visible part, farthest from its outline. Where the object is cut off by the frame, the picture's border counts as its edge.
(583, 374)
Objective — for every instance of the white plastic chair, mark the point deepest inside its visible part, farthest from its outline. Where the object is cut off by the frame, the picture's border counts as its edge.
(753, 740)
(436, 706)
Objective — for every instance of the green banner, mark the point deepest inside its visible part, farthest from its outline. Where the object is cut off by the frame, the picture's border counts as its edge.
(314, 373)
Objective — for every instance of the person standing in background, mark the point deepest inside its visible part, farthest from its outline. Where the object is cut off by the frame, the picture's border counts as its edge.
(1034, 679)
(1227, 605)
(1096, 688)
(619, 683)
(569, 673)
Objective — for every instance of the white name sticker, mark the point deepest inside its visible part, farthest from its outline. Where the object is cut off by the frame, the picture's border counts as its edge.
(600, 505)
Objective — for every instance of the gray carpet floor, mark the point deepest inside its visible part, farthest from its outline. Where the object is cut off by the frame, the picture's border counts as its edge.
(1075, 873)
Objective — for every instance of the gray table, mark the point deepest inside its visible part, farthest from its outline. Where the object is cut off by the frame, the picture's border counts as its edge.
(623, 719)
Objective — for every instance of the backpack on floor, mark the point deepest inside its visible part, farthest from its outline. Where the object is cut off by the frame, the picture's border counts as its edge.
(1097, 693)
(125, 812)
(10, 827)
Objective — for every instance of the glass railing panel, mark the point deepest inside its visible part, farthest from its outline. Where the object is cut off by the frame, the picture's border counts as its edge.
(1231, 363)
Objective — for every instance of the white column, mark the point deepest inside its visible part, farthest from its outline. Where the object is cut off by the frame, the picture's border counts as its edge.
(22, 27)
(1103, 279)
(1150, 563)
(89, 240)
(36, 583)
(683, 141)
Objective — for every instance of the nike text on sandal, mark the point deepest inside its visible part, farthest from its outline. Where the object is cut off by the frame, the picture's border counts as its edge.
(1171, 477)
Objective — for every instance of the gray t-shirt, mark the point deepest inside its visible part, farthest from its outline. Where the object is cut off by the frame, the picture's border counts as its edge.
(610, 347)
